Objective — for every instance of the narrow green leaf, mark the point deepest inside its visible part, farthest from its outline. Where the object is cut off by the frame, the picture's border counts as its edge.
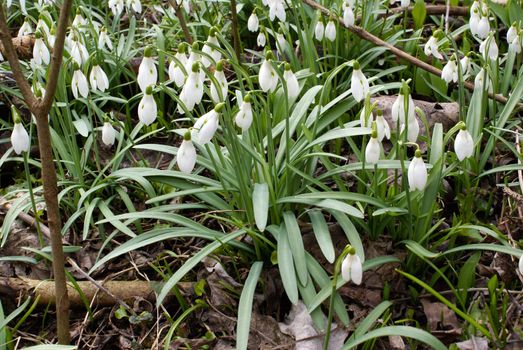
(419, 12)
(401, 331)
(245, 306)
(322, 234)
(296, 244)
(260, 205)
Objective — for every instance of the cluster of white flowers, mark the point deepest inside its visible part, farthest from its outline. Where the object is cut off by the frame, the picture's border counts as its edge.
(479, 21)
(117, 6)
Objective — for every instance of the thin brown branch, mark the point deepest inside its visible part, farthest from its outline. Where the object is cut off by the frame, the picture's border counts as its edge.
(437, 10)
(362, 33)
(56, 60)
(12, 57)
(179, 14)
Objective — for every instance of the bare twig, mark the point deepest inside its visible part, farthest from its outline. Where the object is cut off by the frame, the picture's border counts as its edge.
(234, 28)
(437, 10)
(179, 14)
(40, 108)
(362, 33)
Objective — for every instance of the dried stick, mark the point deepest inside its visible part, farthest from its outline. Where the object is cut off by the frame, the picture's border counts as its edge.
(181, 19)
(362, 33)
(40, 108)
(437, 10)
(234, 28)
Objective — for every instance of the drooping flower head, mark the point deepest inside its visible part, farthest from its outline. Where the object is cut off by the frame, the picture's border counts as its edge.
(147, 73)
(352, 267)
(293, 87)
(206, 126)
(463, 144)
(219, 94)
(359, 83)
(417, 173)
(192, 91)
(244, 117)
(19, 136)
(211, 48)
(432, 45)
(147, 109)
(373, 149)
(177, 67)
(253, 22)
(186, 155)
(267, 77)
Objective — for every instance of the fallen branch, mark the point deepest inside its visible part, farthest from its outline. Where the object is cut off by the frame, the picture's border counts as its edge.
(437, 10)
(362, 33)
(126, 291)
(179, 14)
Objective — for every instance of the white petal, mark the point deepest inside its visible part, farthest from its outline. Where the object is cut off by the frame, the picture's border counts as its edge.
(356, 269)
(372, 151)
(147, 73)
(108, 134)
(463, 145)
(147, 109)
(267, 77)
(345, 268)
(293, 87)
(186, 157)
(244, 117)
(20, 139)
(521, 264)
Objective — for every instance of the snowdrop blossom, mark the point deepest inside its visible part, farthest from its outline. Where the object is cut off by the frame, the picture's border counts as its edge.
(147, 109)
(450, 71)
(244, 116)
(253, 23)
(483, 28)
(267, 78)
(116, 7)
(280, 40)
(400, 111)
(412, 129)
(405, 3)
(51, 38)
(210, 50)
(79, 83)
(465, 65)
(147, 73)
(479, 81)
(194, 57)
(42, 26)
(432, 47)
(19, 136)
(104, 40)
(192, 91)
(359, 83)
(293, 88)
(135, 5)
(463, 144)
(98, 79)
(206, 126)
(276, 9)
(108, 134)
(176, 72)
(352, 269)
(219, 75)
(417, 173)
(382, 126)
(25, 29)
(474, 18)
(330, 30)
(79, 21)
(348, 15)
(489, 48)
(261, 40)
(40, 51)
(186, 155)
(319, 30)
(78, 51)
(366, 118)
(373, 149)
(512, 33)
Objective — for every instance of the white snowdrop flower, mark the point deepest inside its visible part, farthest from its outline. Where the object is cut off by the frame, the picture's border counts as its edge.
(412, 130)
(352, 268)
(253, 22)
(79, 21)
(319, 30)
(219, 75)
(1, 57)
(382, 127)
(520, 265)
(41, 53)
(479, 81)
(348, 16)
(463, 144)
(98, 79)
(267, 78)
(516, 45)
(42, 26)
(432, 47)
(116, 7)
(282, 43)
(401, 112)
(405, 4)
(192, 91)
(205, 127)
(186, 155)
(78, 52)
(373, 149)
(176, 71)
(276, 9)
(147, 73)
(210, 50)
(108, 134)
(512, 33)
(194, 57)
(261, 40)
(147, 109)
(359, 83)
(104, 40)
(51, 38)
(293, 87)
(79, 83)
(25, 29)
(19, 137)
(366, 120)
(330, 30)
(244, 116)
(474, 19)
(449, 72)
(135, 5)
(465, 65)
(489, 49)
(417, 173)
(483, 28)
